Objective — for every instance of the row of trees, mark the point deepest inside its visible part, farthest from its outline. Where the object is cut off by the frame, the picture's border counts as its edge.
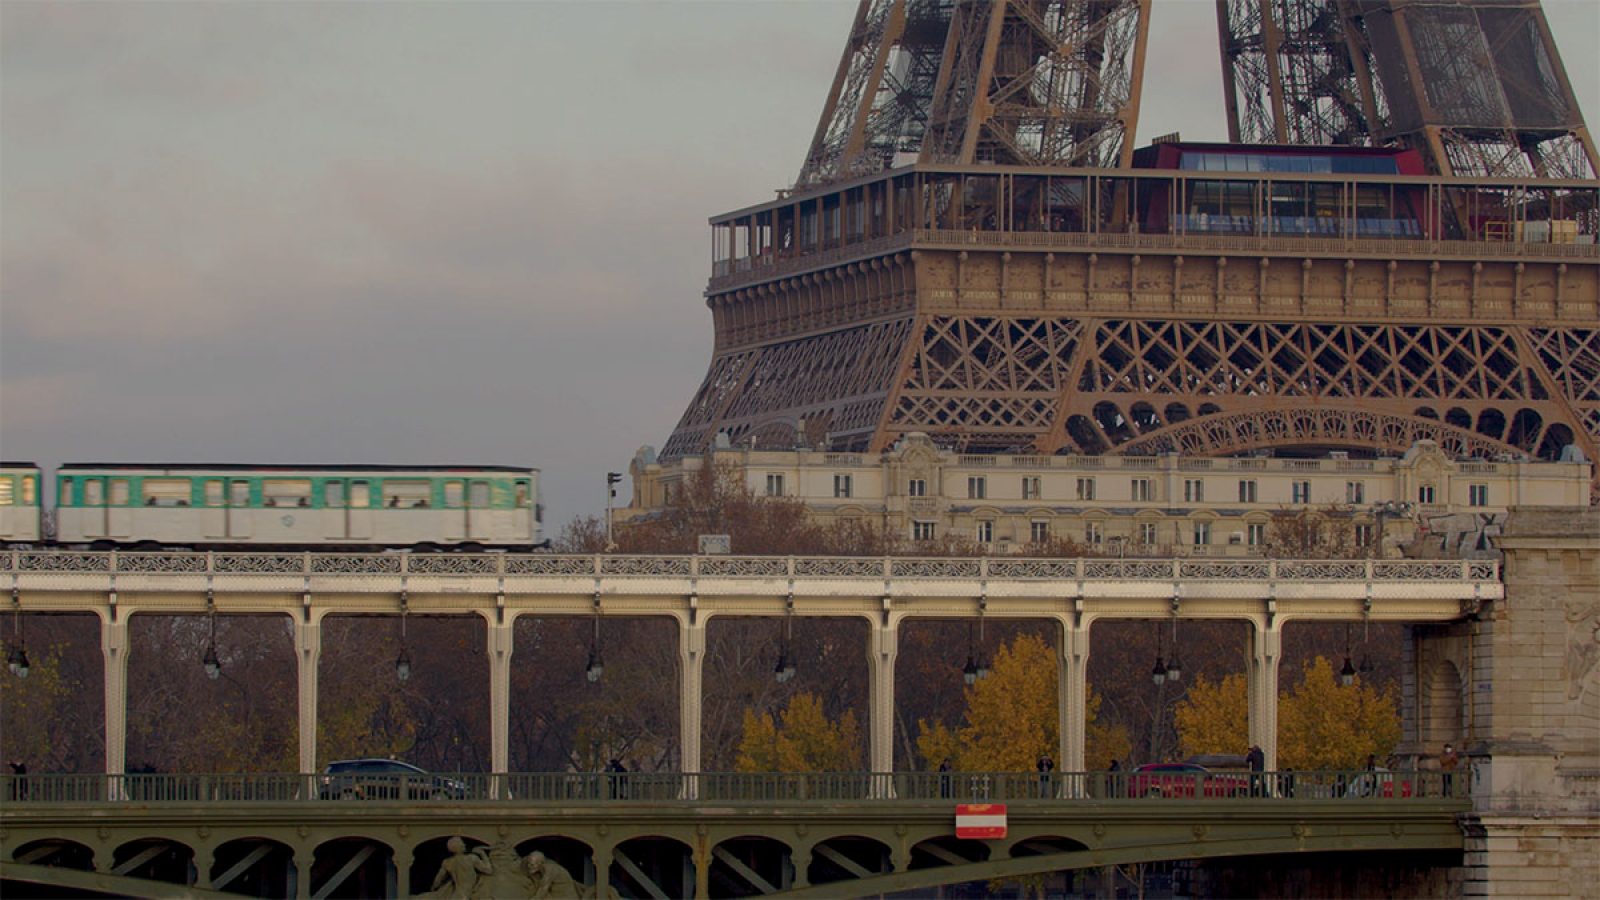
(1009, 720)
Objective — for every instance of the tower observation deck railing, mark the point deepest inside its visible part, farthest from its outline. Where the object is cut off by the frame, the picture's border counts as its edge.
(1335, 214)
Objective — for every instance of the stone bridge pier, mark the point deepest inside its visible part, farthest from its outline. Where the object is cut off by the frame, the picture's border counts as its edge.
(1515, 687)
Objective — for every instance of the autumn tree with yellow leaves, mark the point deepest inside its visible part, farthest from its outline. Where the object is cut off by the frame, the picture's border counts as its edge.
(800, 738)
(1321, 723)
(1011, 718)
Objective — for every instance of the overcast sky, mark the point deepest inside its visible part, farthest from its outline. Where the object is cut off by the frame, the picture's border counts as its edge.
(415, 233)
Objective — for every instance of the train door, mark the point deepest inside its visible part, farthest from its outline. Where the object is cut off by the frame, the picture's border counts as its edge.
(480, 510)
(336, 514)
(119, 508)
(214, 511)
(240, 515)
(92, 500)
(456, 512)
(358, 516)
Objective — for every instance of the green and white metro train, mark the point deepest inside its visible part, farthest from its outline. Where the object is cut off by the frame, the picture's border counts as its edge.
(236, 506)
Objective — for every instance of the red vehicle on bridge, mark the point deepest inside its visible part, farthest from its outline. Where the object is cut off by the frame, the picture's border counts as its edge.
(1185, 780)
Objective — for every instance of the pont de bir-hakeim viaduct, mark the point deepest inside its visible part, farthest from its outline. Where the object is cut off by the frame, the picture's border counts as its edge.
(1399, 245)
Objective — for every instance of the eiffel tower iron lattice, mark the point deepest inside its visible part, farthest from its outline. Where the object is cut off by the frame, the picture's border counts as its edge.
(973, 252)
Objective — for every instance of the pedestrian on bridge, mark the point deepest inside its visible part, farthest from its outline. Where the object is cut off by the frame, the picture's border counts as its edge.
(1449, 761)
(19, 780)
(1045, 765)
(1257, 761)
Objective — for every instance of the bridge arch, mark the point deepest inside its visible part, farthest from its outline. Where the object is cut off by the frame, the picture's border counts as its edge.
(253, 866)
(56, 853)
(354, 866)
(847, 857)
(747, 864)
(652, 865)
(155, 859)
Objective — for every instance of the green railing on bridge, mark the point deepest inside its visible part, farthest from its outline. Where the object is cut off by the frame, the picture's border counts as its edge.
(577, 788)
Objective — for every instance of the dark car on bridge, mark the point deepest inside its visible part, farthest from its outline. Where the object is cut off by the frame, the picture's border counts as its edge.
(1185, 780)
(386, 779)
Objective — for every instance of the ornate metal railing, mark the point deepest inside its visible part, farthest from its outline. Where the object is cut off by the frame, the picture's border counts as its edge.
(19, 562)
(582, 788)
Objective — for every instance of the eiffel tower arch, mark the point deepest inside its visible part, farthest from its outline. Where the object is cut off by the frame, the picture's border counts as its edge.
(973, 250)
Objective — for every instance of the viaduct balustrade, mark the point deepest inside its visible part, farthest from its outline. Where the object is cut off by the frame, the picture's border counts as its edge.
(1072, 593)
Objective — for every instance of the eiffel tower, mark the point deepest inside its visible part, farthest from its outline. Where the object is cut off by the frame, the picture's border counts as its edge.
(1400, 244)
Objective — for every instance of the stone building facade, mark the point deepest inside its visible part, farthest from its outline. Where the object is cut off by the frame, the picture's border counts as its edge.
(1157, 505)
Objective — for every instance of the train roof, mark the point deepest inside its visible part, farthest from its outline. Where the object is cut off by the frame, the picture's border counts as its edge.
(248, 467)
(17, 464)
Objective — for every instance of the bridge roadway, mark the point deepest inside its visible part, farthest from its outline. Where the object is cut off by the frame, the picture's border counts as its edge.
(499, 587)
(818, 835)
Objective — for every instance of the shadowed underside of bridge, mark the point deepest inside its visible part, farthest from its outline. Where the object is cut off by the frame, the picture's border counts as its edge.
(683, 849)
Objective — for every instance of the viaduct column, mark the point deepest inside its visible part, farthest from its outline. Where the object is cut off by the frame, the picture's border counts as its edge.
(880, 667)
(1266, 652)
(114, 646)
(307, 658)
(691, 665)
(501, 643)
(1073, 695)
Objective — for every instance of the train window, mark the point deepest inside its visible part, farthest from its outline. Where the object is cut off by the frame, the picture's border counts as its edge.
(452, 494)
(239, 493)
(119, 492)
(5, 490)
(406, 494)
(165, 491)
(64, 492)
(213, 492)
(479, 497)
(333, 494)
(94, 492)
(360, 495)
(29, 498)
(523, 498)
(286, 492)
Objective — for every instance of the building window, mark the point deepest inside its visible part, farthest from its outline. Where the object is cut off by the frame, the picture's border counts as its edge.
(1364, 534)
(984, 532)
(1202, 534)
(1424, 493)
(1039, 531)
(1247, 490)
(1255, 534)
(841, 485)
(1085, 488)
(1093, 533)
(1147, 533)
(922, 531)
(1141, 489)
(1300, 492)
(1030, 487)
(1355, 492)
(774, 484)
(1194, 490)
(977, 487)
(1477, 495)
(918, 487)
